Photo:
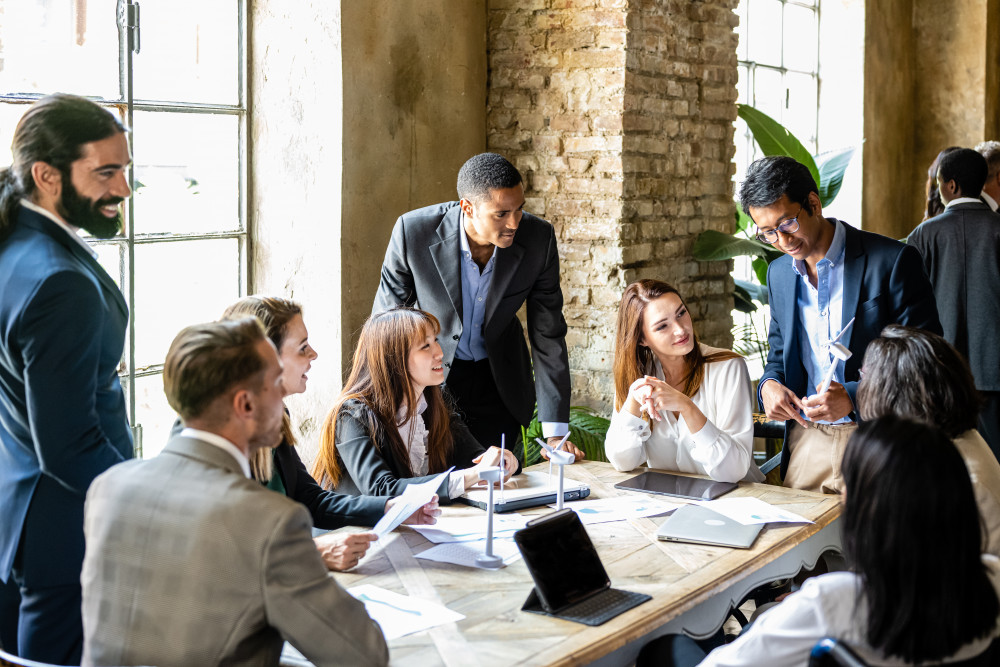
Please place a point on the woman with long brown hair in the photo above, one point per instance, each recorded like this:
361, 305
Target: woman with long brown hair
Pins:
679, 405
391, 425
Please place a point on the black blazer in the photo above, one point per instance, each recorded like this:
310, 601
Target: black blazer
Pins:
369, 470
961, 253
422, 268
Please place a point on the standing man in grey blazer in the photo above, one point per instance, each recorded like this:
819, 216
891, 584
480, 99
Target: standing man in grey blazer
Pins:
961, 253
472, 264
191, 562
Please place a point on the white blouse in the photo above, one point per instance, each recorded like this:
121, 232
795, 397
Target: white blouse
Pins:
826, 606
413, 432
721, 449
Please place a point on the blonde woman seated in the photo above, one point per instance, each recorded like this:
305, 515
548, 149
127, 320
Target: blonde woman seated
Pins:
679, 405
391, 425
916, 374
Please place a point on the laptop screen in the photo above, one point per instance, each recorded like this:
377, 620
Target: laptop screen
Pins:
561, 559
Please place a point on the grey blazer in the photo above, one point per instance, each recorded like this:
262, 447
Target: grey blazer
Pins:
422, 268
961, 253
190, 563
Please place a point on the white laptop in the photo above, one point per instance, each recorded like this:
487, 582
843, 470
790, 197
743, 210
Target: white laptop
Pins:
698, 525
529, 489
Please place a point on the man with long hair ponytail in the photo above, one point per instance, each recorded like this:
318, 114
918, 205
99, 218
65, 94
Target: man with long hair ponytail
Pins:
62, 330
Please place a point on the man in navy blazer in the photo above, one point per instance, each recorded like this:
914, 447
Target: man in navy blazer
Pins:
832, 274
62, 330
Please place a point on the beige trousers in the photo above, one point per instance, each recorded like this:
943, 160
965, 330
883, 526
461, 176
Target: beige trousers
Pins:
815, 454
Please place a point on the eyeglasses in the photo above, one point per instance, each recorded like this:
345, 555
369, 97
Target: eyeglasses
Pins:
789, 226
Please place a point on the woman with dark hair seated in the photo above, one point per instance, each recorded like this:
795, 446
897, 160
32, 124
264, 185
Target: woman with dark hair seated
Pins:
919, 590
916, 374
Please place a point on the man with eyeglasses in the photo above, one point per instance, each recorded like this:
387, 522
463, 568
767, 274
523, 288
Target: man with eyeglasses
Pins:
832, 274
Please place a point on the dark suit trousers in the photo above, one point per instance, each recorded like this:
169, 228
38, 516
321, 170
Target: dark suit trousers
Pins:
51, 628
472, 386
10, 603
989, 420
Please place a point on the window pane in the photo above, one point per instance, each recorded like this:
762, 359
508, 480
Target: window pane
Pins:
186, 173
800, 114
110, 256
189, 51
769, 92
65, 45
178, 284
800, 37
741, 31
765, 28
742, 85
154, 413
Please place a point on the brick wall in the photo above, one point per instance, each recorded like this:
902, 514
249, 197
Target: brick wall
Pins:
619, 114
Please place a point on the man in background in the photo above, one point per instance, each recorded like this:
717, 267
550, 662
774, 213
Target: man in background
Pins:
991, 188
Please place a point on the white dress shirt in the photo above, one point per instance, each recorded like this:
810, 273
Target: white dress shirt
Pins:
826, 606
221, 443
990, 201
965, 200
413, 432
721, 449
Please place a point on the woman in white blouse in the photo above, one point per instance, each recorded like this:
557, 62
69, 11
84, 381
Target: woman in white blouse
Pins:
919, 589
679, 405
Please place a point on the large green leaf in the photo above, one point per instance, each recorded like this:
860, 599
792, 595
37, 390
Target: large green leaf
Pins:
587, 431
713, 246
743, 221
753, 290
742, 299
774, 139
832, 166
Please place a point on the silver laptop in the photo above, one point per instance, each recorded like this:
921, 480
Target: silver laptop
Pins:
698, 525
529, 489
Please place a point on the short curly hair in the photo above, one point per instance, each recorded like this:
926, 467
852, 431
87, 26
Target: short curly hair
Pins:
485, 172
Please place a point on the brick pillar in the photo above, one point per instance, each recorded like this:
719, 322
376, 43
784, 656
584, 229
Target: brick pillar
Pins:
619, 114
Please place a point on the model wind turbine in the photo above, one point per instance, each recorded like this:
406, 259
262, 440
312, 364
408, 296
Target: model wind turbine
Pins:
488, 559
837, 351
561, 459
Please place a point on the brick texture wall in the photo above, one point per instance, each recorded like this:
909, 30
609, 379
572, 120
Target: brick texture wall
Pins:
619, 115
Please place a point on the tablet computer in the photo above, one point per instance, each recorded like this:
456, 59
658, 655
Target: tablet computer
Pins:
665, 484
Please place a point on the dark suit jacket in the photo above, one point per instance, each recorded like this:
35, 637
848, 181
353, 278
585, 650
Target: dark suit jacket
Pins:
884, 283
961, 253
422, 268
373, 470
62, 410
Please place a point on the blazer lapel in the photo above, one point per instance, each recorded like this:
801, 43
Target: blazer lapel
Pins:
854, 270
446, 256
507, 262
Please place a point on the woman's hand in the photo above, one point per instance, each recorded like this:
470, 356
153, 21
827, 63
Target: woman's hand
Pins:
652, 395
342, 551
490, 459
425, 516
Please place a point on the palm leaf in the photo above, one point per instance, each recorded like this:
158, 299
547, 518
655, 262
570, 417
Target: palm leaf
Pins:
774, 139
832, 166
714, 246
587, 431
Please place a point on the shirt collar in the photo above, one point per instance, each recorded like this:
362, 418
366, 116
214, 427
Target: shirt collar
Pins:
464, 240
74, 234
835, 255
963, 200
401, 412
990, 201
221, 443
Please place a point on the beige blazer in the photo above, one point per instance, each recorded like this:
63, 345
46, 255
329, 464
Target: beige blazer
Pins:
190, 563
985, 473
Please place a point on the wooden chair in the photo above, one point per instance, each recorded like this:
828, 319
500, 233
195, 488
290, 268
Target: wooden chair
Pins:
830, 652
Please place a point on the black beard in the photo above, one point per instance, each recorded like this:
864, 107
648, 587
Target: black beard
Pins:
86, 214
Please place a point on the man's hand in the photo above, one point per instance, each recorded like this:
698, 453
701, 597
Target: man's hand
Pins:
781, 403
830, 406
426, 515
342, 551
567, 446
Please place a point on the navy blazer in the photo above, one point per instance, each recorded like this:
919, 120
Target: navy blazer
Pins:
422, 268
62, 410
884, 283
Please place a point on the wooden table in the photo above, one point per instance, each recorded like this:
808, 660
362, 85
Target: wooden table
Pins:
693, 587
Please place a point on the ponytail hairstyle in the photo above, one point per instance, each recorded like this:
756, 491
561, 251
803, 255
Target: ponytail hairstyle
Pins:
53, 130
634, 360
380, 381
274, 313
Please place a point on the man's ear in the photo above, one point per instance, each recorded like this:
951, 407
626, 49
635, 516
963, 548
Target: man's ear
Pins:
466, 206
48, 179
815, 204
243, 404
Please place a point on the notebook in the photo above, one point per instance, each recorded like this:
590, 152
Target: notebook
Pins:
570, 580
698, 525
529, 489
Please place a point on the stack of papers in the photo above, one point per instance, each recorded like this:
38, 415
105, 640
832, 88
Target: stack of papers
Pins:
401, 615
471, 528
619, 508
750, 511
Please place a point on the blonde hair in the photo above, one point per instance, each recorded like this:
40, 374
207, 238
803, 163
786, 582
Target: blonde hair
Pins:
274, 313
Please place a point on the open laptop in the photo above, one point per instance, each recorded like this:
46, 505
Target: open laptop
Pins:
698, 525
570, 580
529, 489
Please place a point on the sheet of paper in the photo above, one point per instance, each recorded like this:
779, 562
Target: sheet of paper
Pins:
414, 496
749, 511
464, 553
619, 508
401, 615
471, 528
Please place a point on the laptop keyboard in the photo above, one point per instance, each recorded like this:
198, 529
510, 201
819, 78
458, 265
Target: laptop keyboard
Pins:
602, 607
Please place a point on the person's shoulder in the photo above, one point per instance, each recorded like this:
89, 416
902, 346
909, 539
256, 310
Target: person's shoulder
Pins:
427, 214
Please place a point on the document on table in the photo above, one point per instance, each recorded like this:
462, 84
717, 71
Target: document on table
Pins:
414, 497
401, 615
749, 511
619, 508
471, 528
464, 553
